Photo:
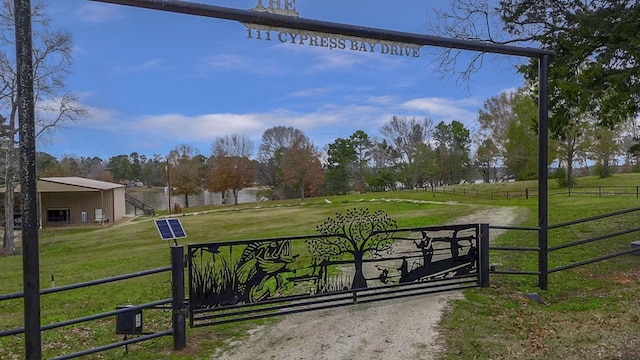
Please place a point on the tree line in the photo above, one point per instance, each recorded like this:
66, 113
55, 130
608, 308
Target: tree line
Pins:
406, 152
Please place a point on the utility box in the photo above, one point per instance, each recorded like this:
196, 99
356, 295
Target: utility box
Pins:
129, 322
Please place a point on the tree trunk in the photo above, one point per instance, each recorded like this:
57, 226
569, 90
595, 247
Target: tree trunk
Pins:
235, 196
302, 191
9, 203
186, 200
359, 281
9, 181
569, 170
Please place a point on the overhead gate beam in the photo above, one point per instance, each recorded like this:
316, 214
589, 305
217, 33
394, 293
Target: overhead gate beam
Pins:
296, 23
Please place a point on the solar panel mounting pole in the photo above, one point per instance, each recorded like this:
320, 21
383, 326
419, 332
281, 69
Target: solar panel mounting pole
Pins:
28, 193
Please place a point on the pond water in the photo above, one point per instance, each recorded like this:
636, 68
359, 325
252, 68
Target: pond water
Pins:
159, 198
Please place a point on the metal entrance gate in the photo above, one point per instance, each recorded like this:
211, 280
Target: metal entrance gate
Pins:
244, 280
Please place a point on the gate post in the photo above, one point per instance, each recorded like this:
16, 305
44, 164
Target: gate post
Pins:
483, 261
177, 298
543, 173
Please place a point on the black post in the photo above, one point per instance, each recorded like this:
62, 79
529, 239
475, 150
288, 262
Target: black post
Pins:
28, 193
168, 189
483, 262
177, 291
543, 150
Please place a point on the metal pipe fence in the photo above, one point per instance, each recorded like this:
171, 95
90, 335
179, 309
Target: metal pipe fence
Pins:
177, 304
544, 272
513, 248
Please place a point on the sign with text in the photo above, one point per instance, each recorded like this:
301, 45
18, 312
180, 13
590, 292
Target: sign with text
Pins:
316, 39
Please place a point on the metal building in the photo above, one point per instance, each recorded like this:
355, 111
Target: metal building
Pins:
76, 200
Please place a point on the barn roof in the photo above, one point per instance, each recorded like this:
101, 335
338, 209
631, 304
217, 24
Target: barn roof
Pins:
73, 183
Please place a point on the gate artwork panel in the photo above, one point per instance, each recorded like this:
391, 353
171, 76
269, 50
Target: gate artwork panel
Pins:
356, 257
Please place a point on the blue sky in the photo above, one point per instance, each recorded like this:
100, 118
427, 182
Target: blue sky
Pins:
153, 80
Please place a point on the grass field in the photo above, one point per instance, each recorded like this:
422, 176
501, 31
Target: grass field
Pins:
588, 312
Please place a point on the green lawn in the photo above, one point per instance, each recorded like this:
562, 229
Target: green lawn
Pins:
595, 304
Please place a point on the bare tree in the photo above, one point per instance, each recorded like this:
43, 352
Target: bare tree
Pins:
408, 137
275, 141
232, 145
405, 135
54, 104
474, 20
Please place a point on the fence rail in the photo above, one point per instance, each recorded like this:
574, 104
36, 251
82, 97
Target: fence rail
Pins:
598, 191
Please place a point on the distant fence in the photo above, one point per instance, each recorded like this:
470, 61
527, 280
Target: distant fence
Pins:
595, 191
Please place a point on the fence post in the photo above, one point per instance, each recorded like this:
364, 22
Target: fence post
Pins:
483, 261
526, 193
177, 296
543, 172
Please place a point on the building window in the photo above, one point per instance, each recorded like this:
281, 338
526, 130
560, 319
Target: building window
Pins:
58, 215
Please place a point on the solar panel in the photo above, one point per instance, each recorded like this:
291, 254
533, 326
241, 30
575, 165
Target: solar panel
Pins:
164, 229
176, 227
170, 229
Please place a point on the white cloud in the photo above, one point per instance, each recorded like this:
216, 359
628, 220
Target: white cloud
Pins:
180, 128
446, 109
313, 92
340, 119
335, 60
149, 65
323, 124
234, 62
98, 13
200, 130
383, 100
98, 117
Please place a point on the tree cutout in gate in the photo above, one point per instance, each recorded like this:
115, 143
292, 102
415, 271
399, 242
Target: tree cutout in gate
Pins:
353, 233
